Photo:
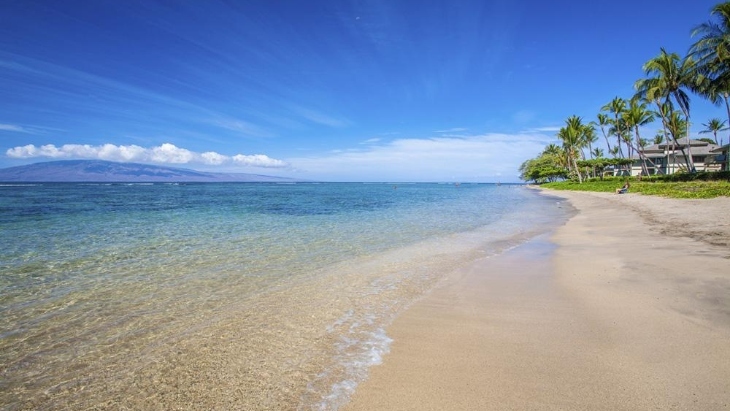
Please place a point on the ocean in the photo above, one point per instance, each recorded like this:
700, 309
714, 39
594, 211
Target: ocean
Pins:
243, 296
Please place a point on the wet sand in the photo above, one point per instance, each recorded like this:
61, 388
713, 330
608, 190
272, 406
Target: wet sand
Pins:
627, 306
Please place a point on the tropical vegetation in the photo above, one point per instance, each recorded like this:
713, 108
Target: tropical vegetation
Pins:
662, 95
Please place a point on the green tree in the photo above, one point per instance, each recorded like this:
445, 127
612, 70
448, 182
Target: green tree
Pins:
614, 152
635, 116
573, 138
603, 122
543, 168
589, 137
712, 54
616, 107
713, 126
669, 76
677, 127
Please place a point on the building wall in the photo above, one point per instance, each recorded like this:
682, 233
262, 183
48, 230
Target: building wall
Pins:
675, 165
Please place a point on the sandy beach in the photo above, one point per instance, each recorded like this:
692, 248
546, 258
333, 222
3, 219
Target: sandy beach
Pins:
626, 306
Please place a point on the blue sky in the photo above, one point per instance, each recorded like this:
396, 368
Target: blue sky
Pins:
346, 90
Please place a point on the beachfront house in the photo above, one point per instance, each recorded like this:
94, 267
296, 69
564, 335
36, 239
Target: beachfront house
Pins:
667, 157
722, 156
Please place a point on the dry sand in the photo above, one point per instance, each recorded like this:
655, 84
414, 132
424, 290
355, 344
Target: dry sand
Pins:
625, 307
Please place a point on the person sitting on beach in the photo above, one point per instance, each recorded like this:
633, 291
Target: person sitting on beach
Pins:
624, 189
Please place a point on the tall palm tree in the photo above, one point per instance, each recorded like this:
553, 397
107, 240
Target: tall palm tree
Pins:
617, 107
713, 126
604, 121
635, 116
597, 153
712, 53
677, 127
573, 139
648, 90
669, 76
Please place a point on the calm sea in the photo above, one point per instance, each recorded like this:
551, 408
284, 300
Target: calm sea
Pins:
227, 296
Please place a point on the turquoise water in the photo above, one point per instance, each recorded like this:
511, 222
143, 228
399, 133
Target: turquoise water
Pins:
228, 296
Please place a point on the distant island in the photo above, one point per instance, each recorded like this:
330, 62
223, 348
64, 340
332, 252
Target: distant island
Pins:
97, 171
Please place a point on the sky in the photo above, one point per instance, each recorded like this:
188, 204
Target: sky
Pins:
339, 90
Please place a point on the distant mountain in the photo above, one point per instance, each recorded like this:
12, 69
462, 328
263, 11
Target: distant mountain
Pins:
110, 172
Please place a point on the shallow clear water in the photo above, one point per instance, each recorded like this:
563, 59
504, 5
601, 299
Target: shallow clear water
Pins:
227, 296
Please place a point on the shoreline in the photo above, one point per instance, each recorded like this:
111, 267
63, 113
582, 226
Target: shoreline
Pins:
626, 306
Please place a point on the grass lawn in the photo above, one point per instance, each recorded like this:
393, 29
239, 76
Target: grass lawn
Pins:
688, 189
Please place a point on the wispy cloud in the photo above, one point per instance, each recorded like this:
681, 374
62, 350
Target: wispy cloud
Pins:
320, 118
371, 141
451, 130
469, 158
243, 127
548, 129
163, 154
13, 127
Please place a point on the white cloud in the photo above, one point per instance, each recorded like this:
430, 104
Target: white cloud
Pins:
258, 160
164, 154
487, 157
213, 158
169, 153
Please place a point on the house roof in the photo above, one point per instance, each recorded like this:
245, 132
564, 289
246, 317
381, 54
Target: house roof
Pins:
720, 149
683, 142
698, 148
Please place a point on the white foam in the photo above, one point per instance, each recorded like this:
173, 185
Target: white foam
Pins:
355, 357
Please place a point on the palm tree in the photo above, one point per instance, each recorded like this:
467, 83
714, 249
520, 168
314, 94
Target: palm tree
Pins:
635, 116
613, 151
553, 149
617, 107
659, 137
589, 137
677, 127
597, 153
713, 126
669, 75
558, 154
647, 90
604, 121
712, 53
573, 141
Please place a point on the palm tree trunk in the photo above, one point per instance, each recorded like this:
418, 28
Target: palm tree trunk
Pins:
688, 156
605, 137
666, 132
575, 164
727, 106
643, 157
676, 144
